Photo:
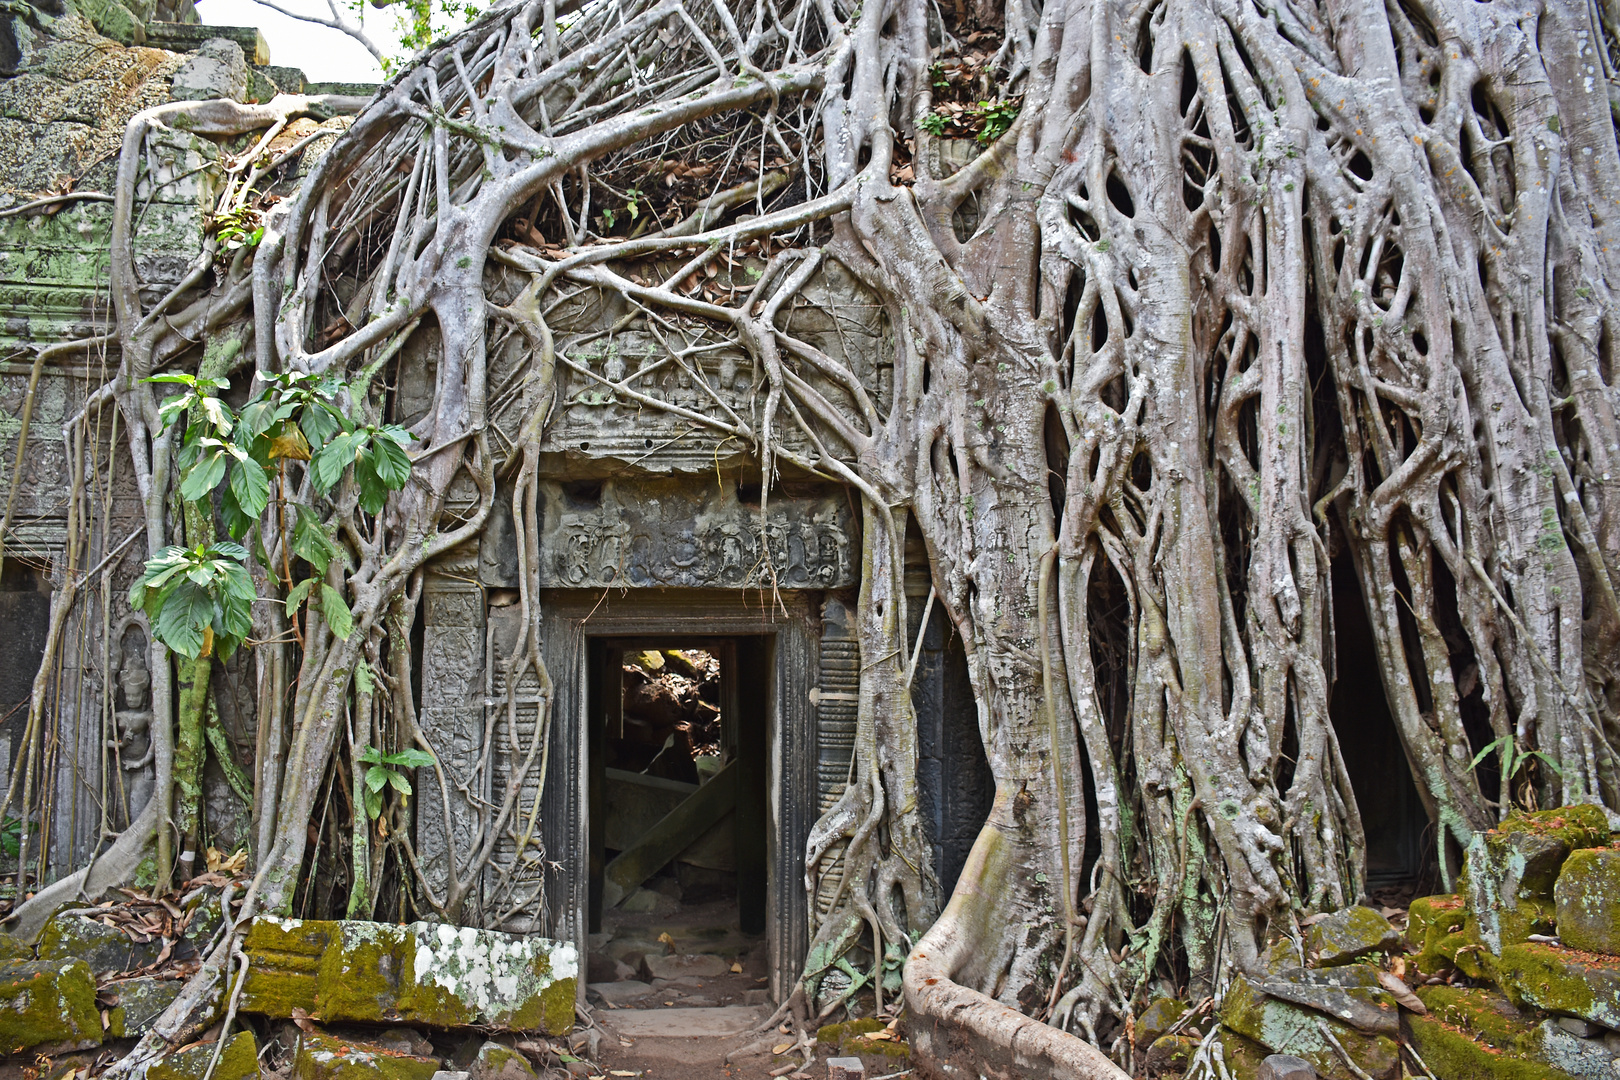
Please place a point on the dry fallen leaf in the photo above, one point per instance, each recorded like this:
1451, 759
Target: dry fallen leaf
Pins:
623, 1072
736, 969
665, 938
781, 1048
1399, 991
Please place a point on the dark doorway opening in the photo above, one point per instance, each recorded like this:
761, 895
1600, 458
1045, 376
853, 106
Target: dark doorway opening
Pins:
679, 759
1392, 814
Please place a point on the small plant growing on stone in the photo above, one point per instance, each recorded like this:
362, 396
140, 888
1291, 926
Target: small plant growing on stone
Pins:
385, 773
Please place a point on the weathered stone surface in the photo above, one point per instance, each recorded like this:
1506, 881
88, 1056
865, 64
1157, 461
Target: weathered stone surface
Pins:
1157, 1019
322, 1057
1430, 921
48, 1002
107, 949
1511, 870
238, 1061
497, 1062
1562, 981
1285, 1067
721, 1023
1351, 993
139, 1002
1169, 1054
185, 37
1477, 1033
216, 70
620, 992
1286, 1028
442, 976
698, 966
1350, 934
1587, 898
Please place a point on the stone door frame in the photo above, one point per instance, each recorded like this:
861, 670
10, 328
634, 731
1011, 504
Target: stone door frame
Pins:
569, 617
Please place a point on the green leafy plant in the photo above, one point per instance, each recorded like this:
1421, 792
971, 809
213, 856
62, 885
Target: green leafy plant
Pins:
237, 229
385, 773
199, 599
632, 204
934, 123
995, 117
11, 837
1514, 759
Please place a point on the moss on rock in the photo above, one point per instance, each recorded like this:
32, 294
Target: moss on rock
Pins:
853, 1038
497, 1062
106, 949
238, 1061
48, 1002
1562, 981
1157, 1019
1511, 870
1476, 1034
1170, 1054
322, 1057
139, 1002
1348, 935
1285, 1028
1587, 899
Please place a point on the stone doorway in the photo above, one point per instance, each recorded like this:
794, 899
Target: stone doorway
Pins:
768, 654
678, 779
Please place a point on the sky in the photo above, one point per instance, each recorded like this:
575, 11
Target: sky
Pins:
326, 55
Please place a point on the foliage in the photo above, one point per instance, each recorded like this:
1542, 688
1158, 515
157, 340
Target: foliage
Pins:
385, 773
1514, 760
934, 123
995, 118
199, 600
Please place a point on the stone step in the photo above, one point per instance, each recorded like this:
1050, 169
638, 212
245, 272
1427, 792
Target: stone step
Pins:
721, 1022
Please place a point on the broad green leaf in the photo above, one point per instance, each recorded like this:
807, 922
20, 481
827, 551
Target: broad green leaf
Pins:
371, 753
204, 477
392, 464
171, 377
251, 486
410, 759
374, 802
181, 619
312, 544
373, 492
336, 612
298, 594
328, 465
400, 784
218, 413
376, 778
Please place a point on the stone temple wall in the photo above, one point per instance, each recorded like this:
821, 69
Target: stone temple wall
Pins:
646, 507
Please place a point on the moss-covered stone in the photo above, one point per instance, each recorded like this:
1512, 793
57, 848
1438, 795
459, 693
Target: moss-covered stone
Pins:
497, 1062
1562, 981
322, 1057
1285, 1028
238, 1061
1476, 1034
1348, 935
444, 976
107, 949
1429, 920
1348, 992
1241, 1055
1157, 1019
1170, 1054
137, 1003
1511, 870
853, 1038
1587, 899
48, 1002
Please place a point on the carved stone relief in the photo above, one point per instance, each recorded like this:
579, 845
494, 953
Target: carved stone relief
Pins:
650, 534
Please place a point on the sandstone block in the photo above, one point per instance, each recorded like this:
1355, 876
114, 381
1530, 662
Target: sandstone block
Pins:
322, 1057
1157, 1019
238, 1061
1283, 1027
1562, 981
1170, 1054
423, 973
139, 1002
1587, 898
1285, 1067
1350, 934
1511, 870
698, 966
1477, 1033
216, 70
106, 949
497, 1062
48, 1002
620, 993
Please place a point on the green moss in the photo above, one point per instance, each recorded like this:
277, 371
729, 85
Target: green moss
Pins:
48, 1002
1157, 1019
284, 956
850, 1039
1511, 870
106, 949
321, 1057
238, 1061
1582, 826
1562, 981
1475, 1034
1170, 1054
139, 1003
1241, 1054
1349, 935
1285, 1028
1587, 900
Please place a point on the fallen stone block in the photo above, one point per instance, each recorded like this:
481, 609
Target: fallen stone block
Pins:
423, 973
1349, 935
1171, 1054
719, 1023
1562, 981
1511, 870
497, 1062
1157, 1019
1285, 1067
107, 949
1430, 922
1283, 1027
1352, 993
216, 70
618, 994
137, 1003
1477, 1034
322, 1057
1587, 899
697, 966
845, 1068
239, 1060
48, 1003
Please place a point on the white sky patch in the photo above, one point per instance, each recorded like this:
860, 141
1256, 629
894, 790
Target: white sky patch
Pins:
326, 55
